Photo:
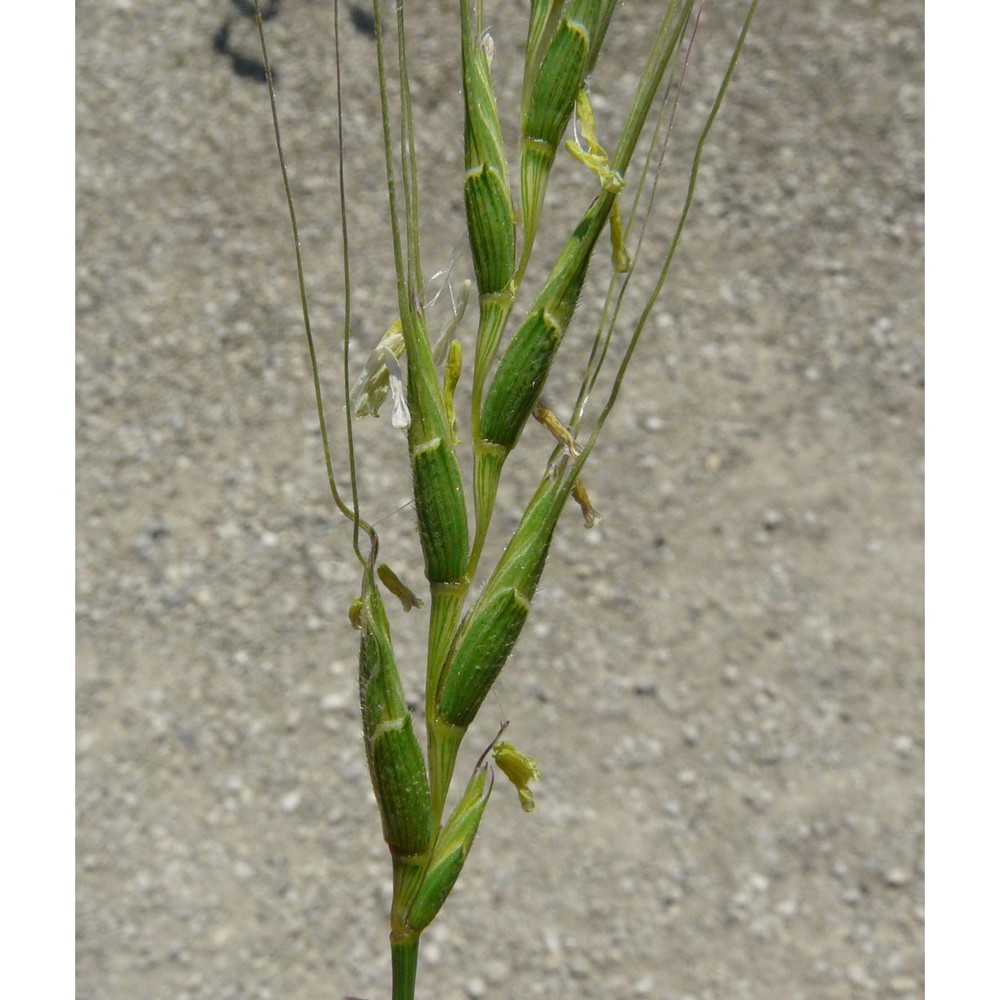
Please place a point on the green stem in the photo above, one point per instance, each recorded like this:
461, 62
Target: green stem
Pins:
404, 968
665, 43
443, 742
408, 162
447, 601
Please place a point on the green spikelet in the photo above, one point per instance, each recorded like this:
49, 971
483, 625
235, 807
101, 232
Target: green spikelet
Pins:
395, 760
438, 493
491, 627
440, 503
490, 212
559, 56
485, 643
526, 362
451, 849
488, 204
437, 480
541, 23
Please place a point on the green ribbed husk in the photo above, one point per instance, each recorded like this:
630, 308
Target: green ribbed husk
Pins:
525, 364
519, 379
483, 646
490, 217
493, 313
400, 782
437, 884
489, 208
551, 94
488, 465
536, 163
438, 493
451, 850
541, 23
395, 760
560, 73
483, 134
493, 624
439, 499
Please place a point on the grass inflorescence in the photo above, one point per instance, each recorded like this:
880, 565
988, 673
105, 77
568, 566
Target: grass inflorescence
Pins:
472, 634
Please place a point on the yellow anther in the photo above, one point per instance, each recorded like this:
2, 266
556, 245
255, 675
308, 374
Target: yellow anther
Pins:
520, 769
395, 586
621, 259
591, 515
452, 373
595, 158
547, 418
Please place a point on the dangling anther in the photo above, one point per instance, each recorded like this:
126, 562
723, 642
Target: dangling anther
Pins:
591, 515
547, 418
395, 586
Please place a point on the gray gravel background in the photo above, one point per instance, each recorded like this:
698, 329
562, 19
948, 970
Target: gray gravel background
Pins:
722, 684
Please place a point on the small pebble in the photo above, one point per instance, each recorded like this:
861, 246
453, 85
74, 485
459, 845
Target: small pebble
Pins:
896, 877
291, 801
335, 700
857, 976
496, 971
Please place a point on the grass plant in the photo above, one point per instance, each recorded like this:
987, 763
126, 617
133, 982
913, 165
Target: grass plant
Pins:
471, 633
